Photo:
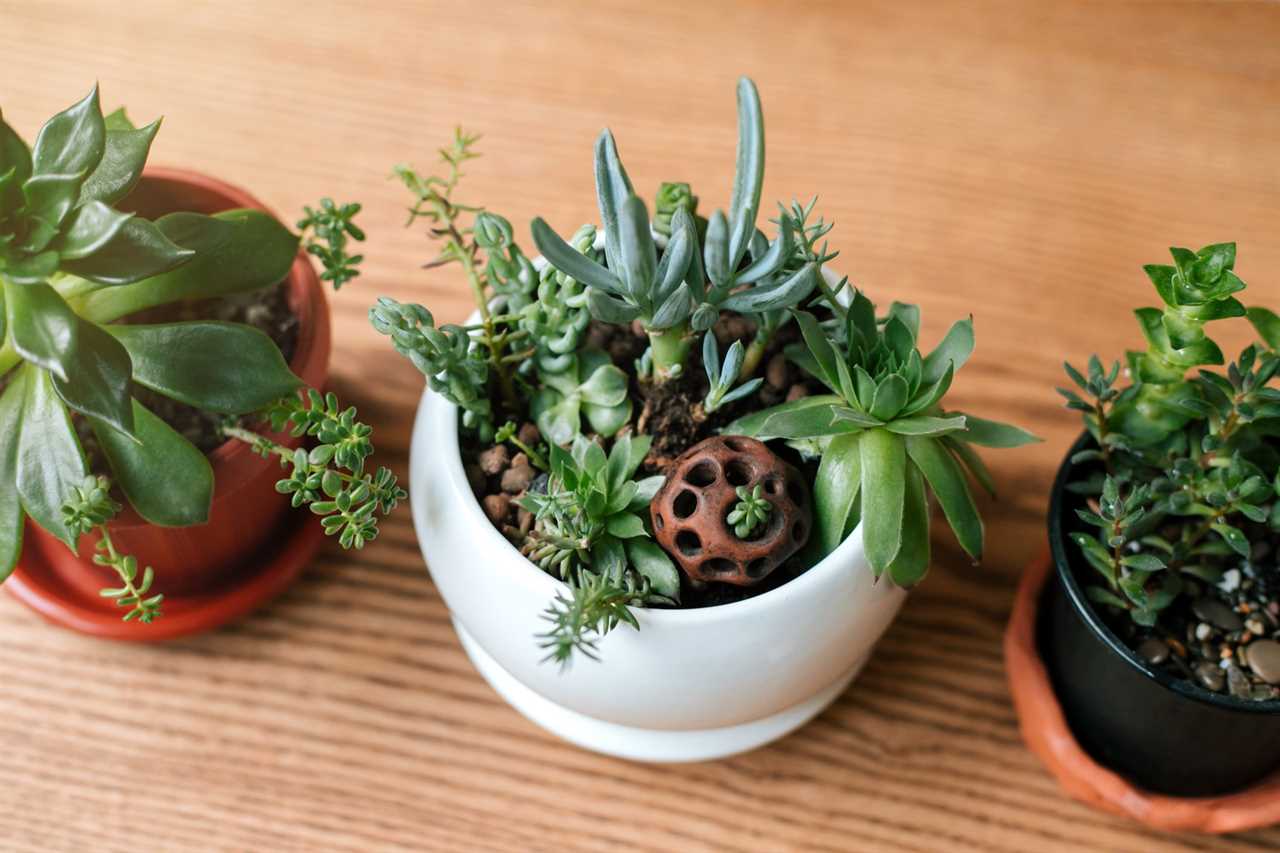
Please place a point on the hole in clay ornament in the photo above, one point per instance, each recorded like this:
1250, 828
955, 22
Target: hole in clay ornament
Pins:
737, 472
685, 504
689, 543
702, 475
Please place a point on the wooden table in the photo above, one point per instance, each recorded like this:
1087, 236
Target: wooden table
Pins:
1017, 161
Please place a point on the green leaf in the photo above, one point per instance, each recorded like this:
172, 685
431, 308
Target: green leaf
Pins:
256, 252
42, 326
1143, 562
558, 417
1099, 595
11, 514
91, 227
613, 188
824, 355
625, 525
986, 433
955, 349
971, 461
1267, 325
570, 261
124, 154
748, 172
635, 258
610, 309
948, 484
50, 462
137, 250
99, 370
606, 386
924, 425
1234, 537
32, 270
653, 563
835, 489
808, 417
787, 293
912, 562
72, 141
13, 153
883, 468
166, 479
226, 368
49, 198
891, 396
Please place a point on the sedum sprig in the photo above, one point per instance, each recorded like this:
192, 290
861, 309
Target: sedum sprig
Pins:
329, 478
593, 607
332, 224
90, 508
751, 511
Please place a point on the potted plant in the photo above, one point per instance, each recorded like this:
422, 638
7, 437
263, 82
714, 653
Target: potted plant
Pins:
676, 424
143, 383
1160, 626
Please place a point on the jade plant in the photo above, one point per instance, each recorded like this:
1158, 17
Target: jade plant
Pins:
76, 268
601, 359
1182, 472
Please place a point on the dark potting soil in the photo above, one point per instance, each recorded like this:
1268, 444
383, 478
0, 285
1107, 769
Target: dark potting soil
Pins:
266, 310
1224, 636
672, 414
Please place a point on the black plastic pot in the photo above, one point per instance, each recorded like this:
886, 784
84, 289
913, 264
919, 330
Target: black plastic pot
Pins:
1167, 734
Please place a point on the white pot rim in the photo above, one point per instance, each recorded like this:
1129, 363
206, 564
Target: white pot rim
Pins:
836, 561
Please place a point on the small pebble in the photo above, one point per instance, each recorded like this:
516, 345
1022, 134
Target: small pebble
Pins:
797, 392
1153, 650
495, 460
517, 478
1238, 683
1264, 660
475, 479
1255, 626
1230, 581
775, 374
524, 520
519, 460
1203, 631
529, 434
496, 507
1214, 611
1210, 676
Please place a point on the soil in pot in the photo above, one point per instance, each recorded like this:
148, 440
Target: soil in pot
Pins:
672, 414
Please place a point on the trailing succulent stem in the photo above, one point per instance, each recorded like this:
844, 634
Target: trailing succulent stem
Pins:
332, 224
1183, 468
88, 510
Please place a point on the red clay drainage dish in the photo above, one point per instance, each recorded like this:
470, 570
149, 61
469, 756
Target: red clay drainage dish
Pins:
1045, 730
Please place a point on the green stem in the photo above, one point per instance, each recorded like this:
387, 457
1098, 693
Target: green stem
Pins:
755, 352
506, 387
670, 349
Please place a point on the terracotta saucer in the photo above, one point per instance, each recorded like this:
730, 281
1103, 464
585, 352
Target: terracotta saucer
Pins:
278, 565
1045, 730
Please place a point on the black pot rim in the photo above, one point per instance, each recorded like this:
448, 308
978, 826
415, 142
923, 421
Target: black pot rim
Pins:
1084, 607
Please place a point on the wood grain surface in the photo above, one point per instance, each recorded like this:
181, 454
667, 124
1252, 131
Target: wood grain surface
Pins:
1018, 161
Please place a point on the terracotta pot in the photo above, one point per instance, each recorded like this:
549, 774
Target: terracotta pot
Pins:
1113, 730
246, 509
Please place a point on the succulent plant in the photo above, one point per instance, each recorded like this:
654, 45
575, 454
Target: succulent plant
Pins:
557, 317
722, 376
588, 530
885, 434
75, 263
593, 387
1184, 468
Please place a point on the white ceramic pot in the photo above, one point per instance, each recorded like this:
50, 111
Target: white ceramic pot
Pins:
690, 685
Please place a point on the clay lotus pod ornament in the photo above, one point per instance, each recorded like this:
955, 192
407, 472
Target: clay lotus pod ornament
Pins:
731, 476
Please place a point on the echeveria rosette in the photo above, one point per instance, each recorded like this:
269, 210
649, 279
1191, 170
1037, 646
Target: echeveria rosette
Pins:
71, 264
887, 440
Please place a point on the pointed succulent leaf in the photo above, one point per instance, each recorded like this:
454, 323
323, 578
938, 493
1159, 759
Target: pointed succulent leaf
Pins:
34, 269
809, 417
955, 349
1267, 325
674, 264
610, 309
925, 425
91, 226
42, 326
972, 462
625, 525
835, 491
654, 564
773, 258
908, 315
605, 386
635, 257
748, 173
72, 141
674, 311
99, 369
137, 250
819, 346
49, 199
14, 154
785, 294
931, 395
253, 251
890, 397
227, 368
124, 154
985, 433
948, 484
883, 468
166, 479
571, 262
50, 461
912, 562
715, 251
613, 188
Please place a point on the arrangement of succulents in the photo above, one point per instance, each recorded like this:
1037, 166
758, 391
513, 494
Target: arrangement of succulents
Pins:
600, 361
1181, 484
98, 376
